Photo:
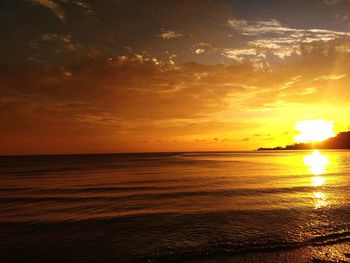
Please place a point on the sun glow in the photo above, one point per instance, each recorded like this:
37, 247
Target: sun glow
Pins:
314, 131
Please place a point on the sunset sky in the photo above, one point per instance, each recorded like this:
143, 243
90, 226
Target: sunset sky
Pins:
79, 76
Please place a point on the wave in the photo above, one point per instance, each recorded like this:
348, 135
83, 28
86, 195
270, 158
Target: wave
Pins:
228, 248
142, 192
132, 233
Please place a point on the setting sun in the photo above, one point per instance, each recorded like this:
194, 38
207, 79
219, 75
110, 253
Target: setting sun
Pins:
314, 131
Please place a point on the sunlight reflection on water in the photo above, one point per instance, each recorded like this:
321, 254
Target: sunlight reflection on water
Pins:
317, 164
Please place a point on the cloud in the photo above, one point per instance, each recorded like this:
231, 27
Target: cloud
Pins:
137, 97
83, 5
251, 28
57, 50
272, 38
151, 90
240, 54
125, 99
167, 34
135, 82
158, 86
65, 40
199, 50
54, 7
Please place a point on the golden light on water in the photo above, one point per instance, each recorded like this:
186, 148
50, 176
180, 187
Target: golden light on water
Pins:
320, 199
318, 181
317, 164
314, 131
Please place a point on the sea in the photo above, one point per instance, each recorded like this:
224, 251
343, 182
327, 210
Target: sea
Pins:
170, 207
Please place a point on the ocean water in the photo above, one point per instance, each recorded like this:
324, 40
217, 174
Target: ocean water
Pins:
170, 206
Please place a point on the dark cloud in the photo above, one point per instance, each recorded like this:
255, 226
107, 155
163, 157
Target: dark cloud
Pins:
125, 85
106, 27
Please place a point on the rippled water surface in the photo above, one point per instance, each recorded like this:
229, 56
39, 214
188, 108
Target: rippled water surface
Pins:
162, 206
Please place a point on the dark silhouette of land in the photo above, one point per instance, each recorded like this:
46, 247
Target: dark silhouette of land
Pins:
341, 141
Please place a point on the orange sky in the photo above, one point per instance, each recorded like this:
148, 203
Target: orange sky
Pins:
229, 76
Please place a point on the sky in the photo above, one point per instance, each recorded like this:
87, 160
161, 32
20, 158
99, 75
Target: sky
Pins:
84, 76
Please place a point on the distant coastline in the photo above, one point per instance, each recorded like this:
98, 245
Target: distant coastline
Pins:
340, 141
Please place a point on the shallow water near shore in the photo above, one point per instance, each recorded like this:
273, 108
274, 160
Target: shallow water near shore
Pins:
172, 206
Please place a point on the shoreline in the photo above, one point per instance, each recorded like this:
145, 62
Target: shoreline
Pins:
334, 253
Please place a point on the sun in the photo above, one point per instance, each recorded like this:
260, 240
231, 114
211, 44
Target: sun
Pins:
314, 131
